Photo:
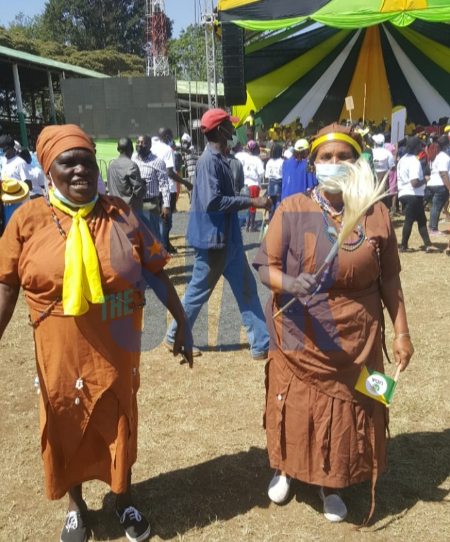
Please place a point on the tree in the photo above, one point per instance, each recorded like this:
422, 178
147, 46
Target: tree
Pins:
98, 24
187, 55
30, 27
107, 61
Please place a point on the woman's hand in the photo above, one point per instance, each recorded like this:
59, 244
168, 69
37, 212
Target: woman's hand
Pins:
403, 351
183, 343
303, 285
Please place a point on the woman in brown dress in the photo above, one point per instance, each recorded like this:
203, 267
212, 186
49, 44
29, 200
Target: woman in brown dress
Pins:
81, 259
320, 430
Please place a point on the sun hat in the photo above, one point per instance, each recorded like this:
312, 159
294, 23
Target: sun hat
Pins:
14, 191
214, 118
301, 145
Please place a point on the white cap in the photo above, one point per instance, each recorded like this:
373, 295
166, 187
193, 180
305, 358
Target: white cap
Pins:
378, 139
186, 138
301, 145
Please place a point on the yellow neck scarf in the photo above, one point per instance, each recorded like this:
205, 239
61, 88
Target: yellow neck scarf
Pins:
82, 282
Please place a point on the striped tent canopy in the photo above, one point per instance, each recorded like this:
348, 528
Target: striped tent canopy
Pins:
311, 55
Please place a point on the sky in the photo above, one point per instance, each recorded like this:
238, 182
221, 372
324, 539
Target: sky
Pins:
181, 11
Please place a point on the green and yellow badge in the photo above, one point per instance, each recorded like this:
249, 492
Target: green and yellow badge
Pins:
377, 385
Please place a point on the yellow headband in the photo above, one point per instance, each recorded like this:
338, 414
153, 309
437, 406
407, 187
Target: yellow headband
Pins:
336, 137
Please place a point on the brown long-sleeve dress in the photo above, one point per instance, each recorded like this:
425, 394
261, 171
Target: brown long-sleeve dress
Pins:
319, 429
88, 365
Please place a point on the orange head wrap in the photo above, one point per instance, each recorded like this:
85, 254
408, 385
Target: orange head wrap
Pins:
54, 140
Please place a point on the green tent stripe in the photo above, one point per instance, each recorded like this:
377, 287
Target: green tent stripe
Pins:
435, 75
279, 54
401, 92
279, 108
438, 53
344, 14
258, 45
331, 107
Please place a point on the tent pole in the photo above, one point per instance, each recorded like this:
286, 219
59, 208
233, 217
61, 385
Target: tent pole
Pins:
19, 103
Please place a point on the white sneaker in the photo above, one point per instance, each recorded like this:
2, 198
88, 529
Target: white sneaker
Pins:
334, 507
279, 488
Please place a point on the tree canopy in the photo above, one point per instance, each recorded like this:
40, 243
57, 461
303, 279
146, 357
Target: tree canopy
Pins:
187, 55
97, 24
107, 36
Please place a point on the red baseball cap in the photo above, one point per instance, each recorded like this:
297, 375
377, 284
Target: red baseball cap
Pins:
214, 117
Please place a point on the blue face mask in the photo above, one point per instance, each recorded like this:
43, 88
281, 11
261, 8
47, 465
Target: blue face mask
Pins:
2, 153
61, 198
326, 171
170, 142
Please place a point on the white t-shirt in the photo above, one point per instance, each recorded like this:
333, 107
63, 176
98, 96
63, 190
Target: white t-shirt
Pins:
241, 156
383, 159
409, 168
15, 168
253, 170
274, 168
37, 178
166, 154
440, 163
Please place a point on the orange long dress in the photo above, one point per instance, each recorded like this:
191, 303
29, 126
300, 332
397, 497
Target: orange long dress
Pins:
88, 365
319, 429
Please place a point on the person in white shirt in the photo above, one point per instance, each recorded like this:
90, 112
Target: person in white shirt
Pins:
274, 175
13, 167
35, 175
383, 161
411, 187
253, 175
439, 183
162, 148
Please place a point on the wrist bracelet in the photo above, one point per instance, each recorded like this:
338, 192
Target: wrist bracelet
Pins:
402, 335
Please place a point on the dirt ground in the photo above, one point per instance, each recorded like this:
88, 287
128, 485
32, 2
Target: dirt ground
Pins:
202, 470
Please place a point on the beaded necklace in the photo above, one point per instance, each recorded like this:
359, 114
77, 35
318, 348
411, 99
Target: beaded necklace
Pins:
331, 234
63, 234
58, 224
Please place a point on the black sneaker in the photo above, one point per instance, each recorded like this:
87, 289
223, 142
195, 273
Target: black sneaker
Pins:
74, 529
137, 528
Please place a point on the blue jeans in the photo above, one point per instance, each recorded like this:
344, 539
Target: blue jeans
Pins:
154, 224
440, 196
231, 262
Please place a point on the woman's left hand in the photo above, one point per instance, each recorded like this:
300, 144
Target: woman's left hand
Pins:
403, 351
184, 343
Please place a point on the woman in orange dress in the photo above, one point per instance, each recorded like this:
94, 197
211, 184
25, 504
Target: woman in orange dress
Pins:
320, 430
83, 260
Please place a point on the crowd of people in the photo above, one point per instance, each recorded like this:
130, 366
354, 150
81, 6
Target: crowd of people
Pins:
84, 260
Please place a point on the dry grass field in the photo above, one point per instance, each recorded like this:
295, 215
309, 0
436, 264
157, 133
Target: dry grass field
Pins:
202, 471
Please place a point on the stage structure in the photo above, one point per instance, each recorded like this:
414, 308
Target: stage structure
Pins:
156, 46
121, 106
209, 20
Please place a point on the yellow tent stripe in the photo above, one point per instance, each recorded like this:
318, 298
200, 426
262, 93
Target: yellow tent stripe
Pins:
370, 71
438, 53
390, 6
223, 5
263, 90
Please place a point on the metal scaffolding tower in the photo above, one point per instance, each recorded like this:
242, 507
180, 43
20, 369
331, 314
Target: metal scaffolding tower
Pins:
208, 20
156, 47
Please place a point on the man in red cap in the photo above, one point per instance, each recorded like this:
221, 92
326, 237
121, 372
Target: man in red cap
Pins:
214, 232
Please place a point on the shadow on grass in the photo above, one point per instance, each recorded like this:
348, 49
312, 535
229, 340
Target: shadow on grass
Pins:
232, 485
